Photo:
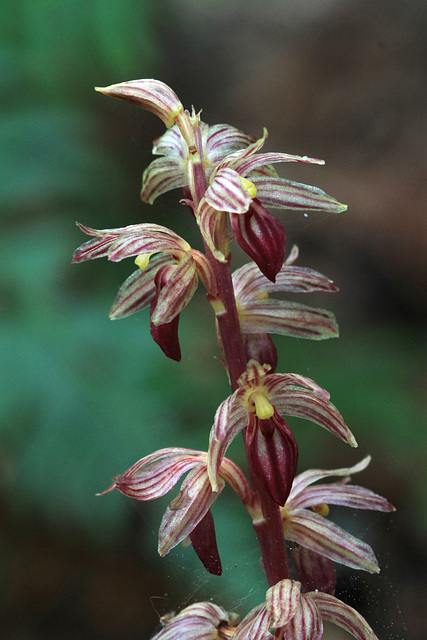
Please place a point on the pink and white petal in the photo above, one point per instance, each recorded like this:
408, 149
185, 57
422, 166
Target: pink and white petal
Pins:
231, 418
223, 139
325, 537
311, 406
341, 614
205, 272
171, 143
253, 162
177, 292
199, 621
156, 474
152, 95
250, 283
143, 227
278, 382
281, 317
313, 475
146, 241
210, 221
306, 624
340, 494
92, 249
233, 160
162, 175
139, 289
254, 626
282, 602
286, 194
226, 193
187, 509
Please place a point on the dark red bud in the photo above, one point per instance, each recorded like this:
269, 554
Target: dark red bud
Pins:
260, 347
262, 237
314, 570
165, 335
203, 539
274, 455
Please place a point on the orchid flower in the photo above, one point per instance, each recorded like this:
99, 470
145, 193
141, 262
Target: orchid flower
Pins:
300, 616
257, 405
167, 281
189, 512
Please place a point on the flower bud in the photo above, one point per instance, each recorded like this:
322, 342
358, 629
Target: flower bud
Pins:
274, 454
203, 539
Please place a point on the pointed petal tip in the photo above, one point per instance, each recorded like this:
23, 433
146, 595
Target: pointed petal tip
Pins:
108, 490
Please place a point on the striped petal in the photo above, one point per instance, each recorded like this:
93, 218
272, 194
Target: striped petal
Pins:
342, 495
322, 536
249, 283
199, 621
282, 602
288, 319
211, 222
162, 175
246, 165
286, 194
222, 139
156, 474
335, 611
310, 476
226, 192
310, 403
177, 292
139, 289
306, 624
230, 419
189, 507
254, 626
152, 95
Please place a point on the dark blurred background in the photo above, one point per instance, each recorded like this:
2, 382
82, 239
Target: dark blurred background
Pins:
83, 398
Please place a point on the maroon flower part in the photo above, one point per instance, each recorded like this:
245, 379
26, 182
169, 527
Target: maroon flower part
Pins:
305, 522
258, 403
168, 275
300, 616
261, 314
314, 570
199, 621
189, 512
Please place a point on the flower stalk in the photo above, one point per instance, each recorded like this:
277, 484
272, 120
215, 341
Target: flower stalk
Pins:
227, 184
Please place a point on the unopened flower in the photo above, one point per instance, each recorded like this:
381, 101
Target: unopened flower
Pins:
168, 275
300, 616
187, 514
304, 514
258, 404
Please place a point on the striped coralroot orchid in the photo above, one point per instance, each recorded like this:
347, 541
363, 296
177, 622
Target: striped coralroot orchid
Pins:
229, 184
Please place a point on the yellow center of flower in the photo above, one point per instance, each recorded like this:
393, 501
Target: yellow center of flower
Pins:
248, 186
259, 404
321, 509
141, 261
